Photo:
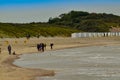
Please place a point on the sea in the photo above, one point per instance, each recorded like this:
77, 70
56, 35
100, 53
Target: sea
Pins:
83, 63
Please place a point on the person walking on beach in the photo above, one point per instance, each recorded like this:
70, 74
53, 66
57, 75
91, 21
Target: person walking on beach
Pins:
9, 49
38, 47
51, 45
42, 47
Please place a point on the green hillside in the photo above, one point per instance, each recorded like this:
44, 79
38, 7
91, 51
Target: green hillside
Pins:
63, 25
34, 29
90, 22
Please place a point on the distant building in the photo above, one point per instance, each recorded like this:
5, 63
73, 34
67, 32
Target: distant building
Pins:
94, 34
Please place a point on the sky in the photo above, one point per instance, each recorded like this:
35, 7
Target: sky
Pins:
25, 11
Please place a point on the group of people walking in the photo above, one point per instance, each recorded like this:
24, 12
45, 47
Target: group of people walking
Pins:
42, 46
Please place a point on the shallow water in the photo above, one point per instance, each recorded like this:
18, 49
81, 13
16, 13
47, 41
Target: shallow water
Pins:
84, 63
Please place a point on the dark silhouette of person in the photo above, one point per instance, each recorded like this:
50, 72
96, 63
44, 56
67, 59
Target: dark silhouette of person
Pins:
38, 47
42, 47
9, 49
51, 45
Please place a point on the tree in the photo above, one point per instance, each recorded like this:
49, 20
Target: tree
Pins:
94, 26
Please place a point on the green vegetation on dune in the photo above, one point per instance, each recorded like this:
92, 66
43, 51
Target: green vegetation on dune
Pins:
34, 29
63, 25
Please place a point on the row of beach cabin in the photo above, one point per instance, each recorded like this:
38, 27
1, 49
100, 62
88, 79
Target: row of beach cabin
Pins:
94, 34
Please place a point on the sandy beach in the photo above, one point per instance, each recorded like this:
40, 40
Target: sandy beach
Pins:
8, 71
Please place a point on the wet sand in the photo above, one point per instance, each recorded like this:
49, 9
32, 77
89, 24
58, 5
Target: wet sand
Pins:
8, 71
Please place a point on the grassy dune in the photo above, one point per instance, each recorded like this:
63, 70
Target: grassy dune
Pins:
34, 29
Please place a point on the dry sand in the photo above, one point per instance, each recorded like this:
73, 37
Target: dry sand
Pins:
8, 71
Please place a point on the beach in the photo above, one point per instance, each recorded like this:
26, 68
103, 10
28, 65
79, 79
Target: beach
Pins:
8, 71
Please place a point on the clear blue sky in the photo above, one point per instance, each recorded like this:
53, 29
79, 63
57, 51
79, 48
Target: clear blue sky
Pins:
22, 11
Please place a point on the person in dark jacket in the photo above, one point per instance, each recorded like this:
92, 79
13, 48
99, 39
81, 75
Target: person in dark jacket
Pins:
9, 49
51, 45
42, 47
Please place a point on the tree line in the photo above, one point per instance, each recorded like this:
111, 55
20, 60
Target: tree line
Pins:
87, 22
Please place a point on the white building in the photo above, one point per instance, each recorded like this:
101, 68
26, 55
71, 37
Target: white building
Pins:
94, 34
